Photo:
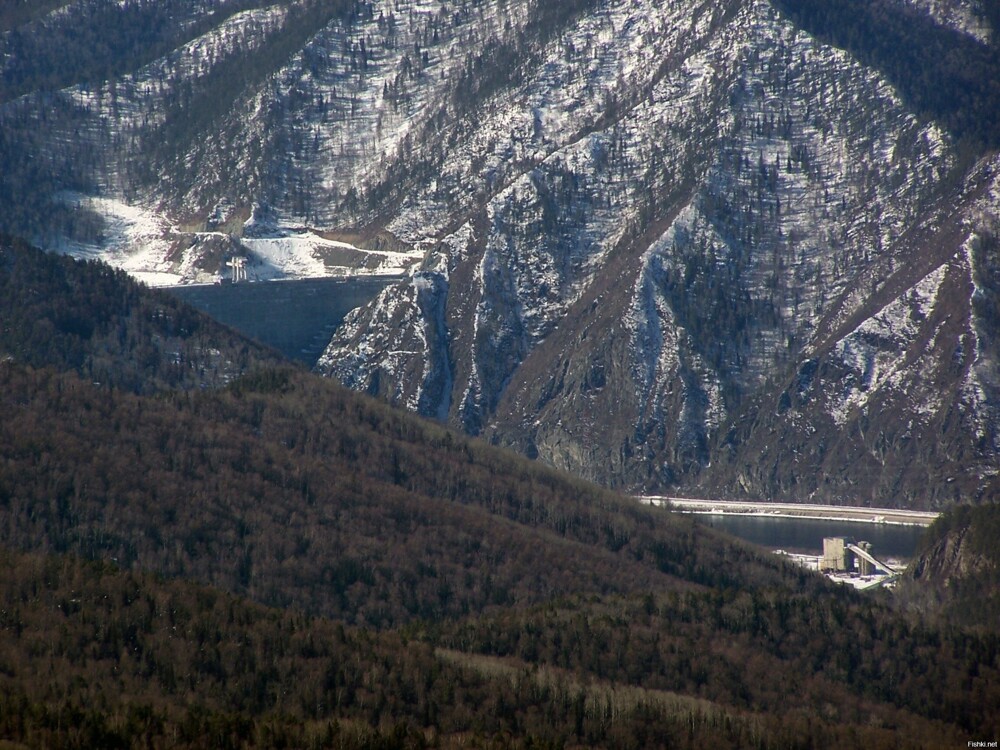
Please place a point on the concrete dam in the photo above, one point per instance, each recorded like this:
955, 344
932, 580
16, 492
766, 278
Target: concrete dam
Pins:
296, 317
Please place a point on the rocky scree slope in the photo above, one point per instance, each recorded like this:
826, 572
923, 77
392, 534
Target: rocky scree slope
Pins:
723, 248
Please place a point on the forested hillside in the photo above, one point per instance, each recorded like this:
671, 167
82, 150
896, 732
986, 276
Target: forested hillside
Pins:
537, 607
93, 656
956, 574
97, 322
378, 580
298, 493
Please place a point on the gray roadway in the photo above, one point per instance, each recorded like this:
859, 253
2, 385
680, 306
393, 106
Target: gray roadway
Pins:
797, 510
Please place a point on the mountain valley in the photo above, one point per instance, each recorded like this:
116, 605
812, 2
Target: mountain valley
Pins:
568, 252
738, 249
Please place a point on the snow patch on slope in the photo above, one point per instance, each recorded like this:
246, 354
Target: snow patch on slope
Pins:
875, 353
304, 254
135, 240
144, 244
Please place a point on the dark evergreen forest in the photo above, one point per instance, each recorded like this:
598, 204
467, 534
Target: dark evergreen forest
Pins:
947, 76
278, 562
90, 319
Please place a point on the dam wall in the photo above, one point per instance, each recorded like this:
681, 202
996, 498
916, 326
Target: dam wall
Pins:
296, 317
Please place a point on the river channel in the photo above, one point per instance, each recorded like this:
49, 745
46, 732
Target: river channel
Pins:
805, 535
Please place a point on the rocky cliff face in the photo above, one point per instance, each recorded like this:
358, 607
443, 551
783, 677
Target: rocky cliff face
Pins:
950, 560
673, 247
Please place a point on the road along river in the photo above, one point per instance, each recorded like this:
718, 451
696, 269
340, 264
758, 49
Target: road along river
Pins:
796, 510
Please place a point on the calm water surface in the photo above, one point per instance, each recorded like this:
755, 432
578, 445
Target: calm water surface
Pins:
805, 535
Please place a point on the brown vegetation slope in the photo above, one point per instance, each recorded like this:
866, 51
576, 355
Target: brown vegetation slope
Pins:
475, 596
91, 656
956, 574
98, 322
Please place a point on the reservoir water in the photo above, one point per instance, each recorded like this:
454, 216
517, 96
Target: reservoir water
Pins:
805, 535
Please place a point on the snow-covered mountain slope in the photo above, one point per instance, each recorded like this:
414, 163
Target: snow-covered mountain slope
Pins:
670, 246
897, 397
617, 308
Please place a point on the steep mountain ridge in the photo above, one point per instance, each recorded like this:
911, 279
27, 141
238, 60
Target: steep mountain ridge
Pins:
630, 225
897, 396
821, 177
955, 575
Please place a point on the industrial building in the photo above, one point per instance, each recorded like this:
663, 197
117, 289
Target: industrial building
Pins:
841, 554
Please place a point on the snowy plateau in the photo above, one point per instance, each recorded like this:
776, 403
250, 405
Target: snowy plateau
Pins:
673, 246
